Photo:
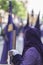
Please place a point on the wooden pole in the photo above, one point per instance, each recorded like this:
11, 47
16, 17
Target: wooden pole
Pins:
13, 46
14, 40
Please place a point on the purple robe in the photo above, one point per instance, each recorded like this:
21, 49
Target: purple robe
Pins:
8, 42
32, 52
31, 57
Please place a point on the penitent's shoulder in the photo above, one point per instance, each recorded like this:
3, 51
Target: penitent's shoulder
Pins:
33, 52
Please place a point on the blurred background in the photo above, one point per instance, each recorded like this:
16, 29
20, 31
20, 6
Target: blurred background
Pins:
20, 8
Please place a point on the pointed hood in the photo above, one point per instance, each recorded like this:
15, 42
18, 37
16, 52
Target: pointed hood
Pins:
27, 19
37, 22
10, 13
10, 6
32, 13
38, 25
27, 25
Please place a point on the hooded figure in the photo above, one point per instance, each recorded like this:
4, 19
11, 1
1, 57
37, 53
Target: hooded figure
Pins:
32, 52
8, 31
32, 37
39, 30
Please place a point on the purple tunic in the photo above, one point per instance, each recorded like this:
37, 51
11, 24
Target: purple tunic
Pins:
31, 57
